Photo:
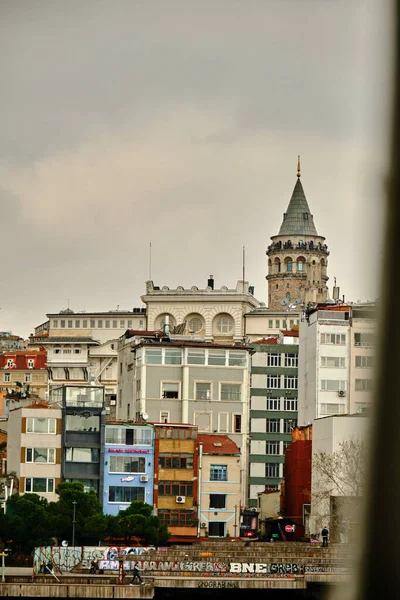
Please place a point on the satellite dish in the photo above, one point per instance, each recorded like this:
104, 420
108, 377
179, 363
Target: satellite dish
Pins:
145, 416
64, 543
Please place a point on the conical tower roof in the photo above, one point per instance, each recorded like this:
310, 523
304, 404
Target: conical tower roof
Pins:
298, 220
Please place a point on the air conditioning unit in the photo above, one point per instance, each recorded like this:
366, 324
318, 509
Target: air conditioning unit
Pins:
144, 478
180, 499
341, 393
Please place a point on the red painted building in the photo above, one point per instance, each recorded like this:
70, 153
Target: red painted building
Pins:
24, 370
298, 483
23, 360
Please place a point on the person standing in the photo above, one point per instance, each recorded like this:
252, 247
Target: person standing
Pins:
325, 534
136, 574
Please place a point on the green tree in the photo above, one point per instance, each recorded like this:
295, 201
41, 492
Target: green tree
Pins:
27, 522
138, 522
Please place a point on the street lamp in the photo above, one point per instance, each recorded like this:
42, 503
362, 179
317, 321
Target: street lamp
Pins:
74, 503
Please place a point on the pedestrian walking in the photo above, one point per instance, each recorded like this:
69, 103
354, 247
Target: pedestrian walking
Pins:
136, 574
325, 534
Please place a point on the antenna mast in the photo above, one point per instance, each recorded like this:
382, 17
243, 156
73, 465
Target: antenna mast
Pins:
244, 263
150, 262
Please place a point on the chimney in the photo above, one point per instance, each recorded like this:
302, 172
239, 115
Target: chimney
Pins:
166, 325
210, 282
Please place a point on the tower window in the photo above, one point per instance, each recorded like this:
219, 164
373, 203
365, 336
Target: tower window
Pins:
289, 265
305, 215
277, 286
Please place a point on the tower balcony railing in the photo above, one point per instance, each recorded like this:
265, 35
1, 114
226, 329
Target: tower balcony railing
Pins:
301, 246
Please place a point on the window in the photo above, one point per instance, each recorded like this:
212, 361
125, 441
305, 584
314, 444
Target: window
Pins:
273, 381
154, 356
331, 409
164, 416
338, 339
77, 350
100, 324
223, 422
289, 266
225, 324
217, 501
289, 425
107, 324
39, 485
70, 324
273, 359
333, 385
203, 391
175, 461
273, 425
230, 391
365, 361
237, 423
237, 359
273, 403
84, 323
176, 517
129, 436
364, 340
77, 324
285, 445
216, 528
169, 390
273, 447
291, 360
115, 324
362, 407
122, 323
270, 324
31, 363
62, 322
291, 324
40, 425
27, 378
290, 382
271, 469
40, 455
80, 423
173, 356
216, 357
196, 357
7, 377
289, 404
129, 323
218, 472
92, 323
126, 494
10, 362
300, 266
363, 385
127, 464
83, 455
195, 325
277, 324
175, 488
333, 362
55, 323
67, 351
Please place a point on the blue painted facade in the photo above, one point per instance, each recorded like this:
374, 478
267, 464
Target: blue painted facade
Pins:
128, 466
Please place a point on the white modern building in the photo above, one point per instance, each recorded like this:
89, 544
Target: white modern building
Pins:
335, 360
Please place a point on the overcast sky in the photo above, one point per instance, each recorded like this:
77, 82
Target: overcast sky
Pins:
179, 123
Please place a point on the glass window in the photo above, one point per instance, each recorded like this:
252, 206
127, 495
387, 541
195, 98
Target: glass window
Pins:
291, 360
195, 325
127, 464
77, 323
62, 323
203, 391
86, 455
173, 356
84, 323
217, 357
154, 356
273, 403
84, 396
27, 378
237, 359
175, 488
230, 391
217, 501
300, 266
40, 425
126, 494
40, 455
7, 377
271, 469
270, 324
39, 485
333, 338
115, 324
290, 382
225, 324
129, 323
219, 473
289, 266
364, 361
333, 362
55, 323
169, 390
176, 461
196, 357
363, 385
92, 323
100, 324
122, 323
82, 423
277, 324
237, 423
289, 425
273, 425
273, 381
364, 340
333, 385
70, 324
273, 447
107, 324
273, 359
290, 404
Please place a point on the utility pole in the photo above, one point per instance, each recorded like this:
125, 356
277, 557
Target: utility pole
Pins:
73, 523
235, 525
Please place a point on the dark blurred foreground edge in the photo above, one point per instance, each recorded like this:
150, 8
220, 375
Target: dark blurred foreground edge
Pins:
379, 571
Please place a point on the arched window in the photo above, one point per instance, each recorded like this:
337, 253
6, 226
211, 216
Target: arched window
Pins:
289, 264
277, 264
195, 323
300, 264
224, 324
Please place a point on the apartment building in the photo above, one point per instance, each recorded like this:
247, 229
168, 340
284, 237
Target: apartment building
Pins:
179, 381
24, 370
264, 322
220, 486
82, 434
336, 360
176, 479
273, 409
128, 466
34, 443
8, 341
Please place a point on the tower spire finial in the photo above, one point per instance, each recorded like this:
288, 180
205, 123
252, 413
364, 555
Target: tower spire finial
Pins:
298, 166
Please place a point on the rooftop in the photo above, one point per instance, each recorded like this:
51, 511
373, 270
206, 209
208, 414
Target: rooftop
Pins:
63, 340
218, 444
298, 220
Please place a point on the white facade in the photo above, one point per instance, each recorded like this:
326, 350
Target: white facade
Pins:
264, 322
332, 343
